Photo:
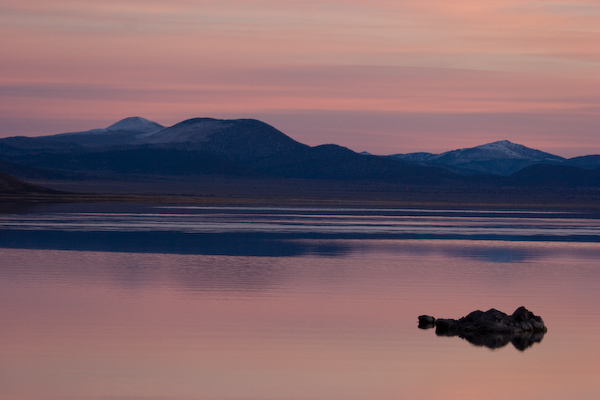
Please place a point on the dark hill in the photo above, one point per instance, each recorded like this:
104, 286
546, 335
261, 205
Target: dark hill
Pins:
588, 162
322, 162
549, 175
12, 185
339, 163
239, 140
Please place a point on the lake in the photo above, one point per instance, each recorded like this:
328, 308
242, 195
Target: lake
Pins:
125, 301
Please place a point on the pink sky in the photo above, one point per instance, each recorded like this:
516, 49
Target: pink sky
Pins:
380, 75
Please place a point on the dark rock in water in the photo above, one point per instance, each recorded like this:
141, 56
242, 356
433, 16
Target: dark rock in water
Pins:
426, 322
491, 328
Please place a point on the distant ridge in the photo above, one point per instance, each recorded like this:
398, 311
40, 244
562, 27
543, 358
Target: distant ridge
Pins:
588, 162
125, 131
137, 149
499, 158
552, 175
204, 147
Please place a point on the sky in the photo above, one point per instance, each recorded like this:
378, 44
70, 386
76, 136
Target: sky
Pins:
383, 76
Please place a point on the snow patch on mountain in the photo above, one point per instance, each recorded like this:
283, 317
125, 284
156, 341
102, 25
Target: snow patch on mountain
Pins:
504, 148
135, 124
192, 130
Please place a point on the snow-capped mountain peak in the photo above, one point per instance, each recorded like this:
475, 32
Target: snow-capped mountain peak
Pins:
135, 124
503, 147
502, 157
507, 149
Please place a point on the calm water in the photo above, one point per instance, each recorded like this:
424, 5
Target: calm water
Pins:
168, 302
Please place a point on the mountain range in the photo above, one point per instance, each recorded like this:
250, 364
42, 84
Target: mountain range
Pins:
136, 148
497, 158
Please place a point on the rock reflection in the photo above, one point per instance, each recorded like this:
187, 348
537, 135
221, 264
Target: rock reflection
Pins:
493, 329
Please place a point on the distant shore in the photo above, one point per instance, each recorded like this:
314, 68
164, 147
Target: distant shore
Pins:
324, 194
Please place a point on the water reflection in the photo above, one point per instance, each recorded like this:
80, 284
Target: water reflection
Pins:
161, 242
194, 261
103, 305
498, 340
265, 244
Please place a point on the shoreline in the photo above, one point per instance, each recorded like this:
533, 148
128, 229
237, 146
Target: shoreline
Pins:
229, 191
297, 201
